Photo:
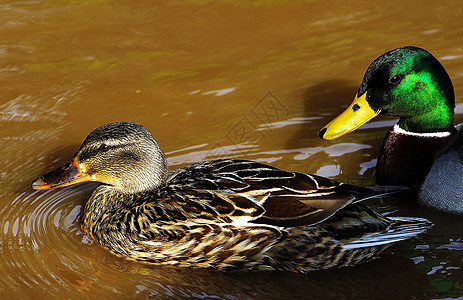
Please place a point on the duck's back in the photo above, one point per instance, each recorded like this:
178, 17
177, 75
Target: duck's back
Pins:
241, 190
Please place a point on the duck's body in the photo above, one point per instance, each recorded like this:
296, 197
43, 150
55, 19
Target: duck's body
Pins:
443, 186
222, 214
409, 83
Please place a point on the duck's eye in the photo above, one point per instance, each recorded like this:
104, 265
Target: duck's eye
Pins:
395, 79
104, 147
66, 166
355, 107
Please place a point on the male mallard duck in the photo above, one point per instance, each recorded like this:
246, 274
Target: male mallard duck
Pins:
411, 84
222, 213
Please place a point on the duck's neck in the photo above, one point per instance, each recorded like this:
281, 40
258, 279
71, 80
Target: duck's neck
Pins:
115, 219
105, 205
397, 129
428, 122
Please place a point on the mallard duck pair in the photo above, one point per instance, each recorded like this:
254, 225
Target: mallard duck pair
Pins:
423, 150
221, 214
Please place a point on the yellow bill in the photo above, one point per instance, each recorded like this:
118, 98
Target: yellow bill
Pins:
357, 114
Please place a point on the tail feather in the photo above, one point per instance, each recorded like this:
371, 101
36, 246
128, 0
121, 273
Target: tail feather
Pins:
402, 228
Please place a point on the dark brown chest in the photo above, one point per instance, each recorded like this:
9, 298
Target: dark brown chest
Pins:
406, 159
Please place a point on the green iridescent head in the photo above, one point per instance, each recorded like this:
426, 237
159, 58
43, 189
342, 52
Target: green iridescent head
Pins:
410, 83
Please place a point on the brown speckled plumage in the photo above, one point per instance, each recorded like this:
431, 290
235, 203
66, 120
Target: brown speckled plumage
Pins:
229, 214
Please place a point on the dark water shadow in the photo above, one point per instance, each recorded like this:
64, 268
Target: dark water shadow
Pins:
326, 100
358, 282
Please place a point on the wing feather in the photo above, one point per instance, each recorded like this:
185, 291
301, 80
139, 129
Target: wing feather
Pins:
263, 194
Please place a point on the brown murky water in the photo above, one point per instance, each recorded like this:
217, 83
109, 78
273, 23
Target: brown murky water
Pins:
253, 80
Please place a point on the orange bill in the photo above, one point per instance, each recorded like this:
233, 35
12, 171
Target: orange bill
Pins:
357, 114
68, 174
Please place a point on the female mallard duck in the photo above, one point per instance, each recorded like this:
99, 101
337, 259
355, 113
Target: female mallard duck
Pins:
411, 84
222, 213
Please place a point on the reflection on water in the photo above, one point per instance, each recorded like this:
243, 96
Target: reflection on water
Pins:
252, 80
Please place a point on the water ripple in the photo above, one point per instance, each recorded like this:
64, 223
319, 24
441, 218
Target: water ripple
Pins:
39, 231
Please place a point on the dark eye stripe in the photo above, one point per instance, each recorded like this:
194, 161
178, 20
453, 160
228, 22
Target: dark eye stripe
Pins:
88, 152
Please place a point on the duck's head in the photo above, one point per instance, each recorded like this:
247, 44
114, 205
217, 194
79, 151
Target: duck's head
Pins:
122, 155
407, 82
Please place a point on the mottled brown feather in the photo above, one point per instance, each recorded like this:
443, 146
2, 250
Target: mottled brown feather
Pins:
247, 220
